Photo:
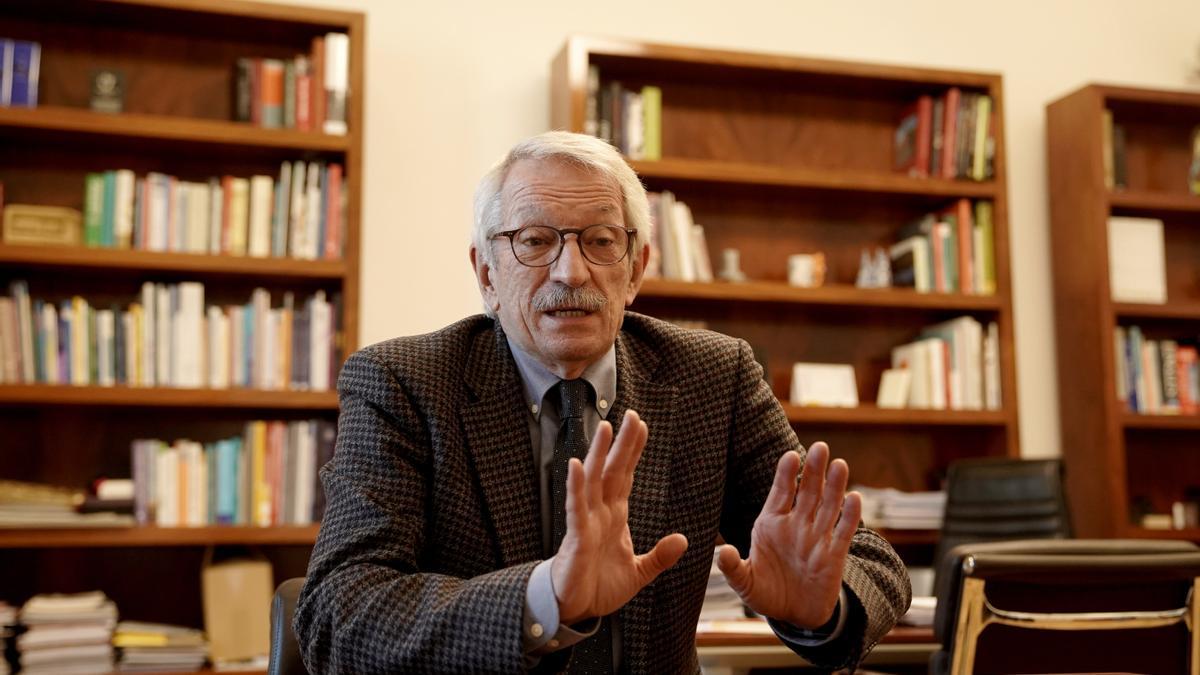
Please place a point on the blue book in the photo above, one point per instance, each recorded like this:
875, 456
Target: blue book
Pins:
39, 343
210, 462
64, 342
119, 338
26, 61
227, 483
323, 206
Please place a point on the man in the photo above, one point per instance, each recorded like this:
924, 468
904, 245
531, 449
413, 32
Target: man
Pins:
463, 532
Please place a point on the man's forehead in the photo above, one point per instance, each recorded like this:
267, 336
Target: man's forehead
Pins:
534, 185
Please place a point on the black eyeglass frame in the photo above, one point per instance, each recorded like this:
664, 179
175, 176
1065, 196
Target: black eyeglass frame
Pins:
631, 232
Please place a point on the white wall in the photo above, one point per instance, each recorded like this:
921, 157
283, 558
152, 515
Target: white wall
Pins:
452, 85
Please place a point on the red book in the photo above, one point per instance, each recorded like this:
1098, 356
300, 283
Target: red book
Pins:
226, 217
966, 247
913, 138
256, 91
317, 89
333, 213
303, 96
1185, 357
949, 137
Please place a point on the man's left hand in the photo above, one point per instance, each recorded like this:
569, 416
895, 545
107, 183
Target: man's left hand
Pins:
799, 544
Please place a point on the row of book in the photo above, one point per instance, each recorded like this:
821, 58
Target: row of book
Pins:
265, 477
954, 365
630, 119
308, 92
168, 337
1156, 377
679, 249
300, 214
948, 251
20, 65
952, 135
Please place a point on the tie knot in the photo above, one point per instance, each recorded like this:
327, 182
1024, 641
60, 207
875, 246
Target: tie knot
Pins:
572, 398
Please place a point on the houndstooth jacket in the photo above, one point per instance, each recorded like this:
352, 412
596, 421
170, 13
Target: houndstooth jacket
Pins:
432, 525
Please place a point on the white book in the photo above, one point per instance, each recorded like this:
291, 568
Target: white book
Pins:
189, 334
964, 339
149, 329
337, 82
197, 486
320, 343
681, 220
24, 328
218, 348
105, 343
917, 248
162, 336
912, 357
635, 125
271, 355
166, 488
297, 219
239, 216
938, 351
261, 348
158, 190
123, 208
199, 217
81, 361
313, 207
237, 346
129, 328
1137, 260
306, 459
177, 238
991, 367
50, 342
704, 270
665, 234
262, 200
216, 205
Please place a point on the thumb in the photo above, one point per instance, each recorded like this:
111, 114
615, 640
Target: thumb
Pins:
665, 553
736, 571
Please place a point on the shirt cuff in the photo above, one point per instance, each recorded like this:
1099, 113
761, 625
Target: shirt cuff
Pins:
542, 633
803, 637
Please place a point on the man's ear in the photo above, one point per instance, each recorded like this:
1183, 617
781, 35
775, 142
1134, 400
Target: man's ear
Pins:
483, 276
637, 274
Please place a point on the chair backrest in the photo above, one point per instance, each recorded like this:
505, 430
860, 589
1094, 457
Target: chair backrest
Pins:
997, 499
285, 651
1069, 606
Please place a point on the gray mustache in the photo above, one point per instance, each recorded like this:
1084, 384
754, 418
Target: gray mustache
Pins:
559, 296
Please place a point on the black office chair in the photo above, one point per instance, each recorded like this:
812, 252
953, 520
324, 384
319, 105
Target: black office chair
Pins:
1076, 605
998, 499
285, 651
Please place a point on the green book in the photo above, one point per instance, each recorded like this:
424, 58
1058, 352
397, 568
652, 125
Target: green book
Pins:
108, 237
652, 118
985, 250
93, 209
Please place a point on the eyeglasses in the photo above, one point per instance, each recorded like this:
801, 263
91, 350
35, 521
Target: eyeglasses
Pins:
539, 246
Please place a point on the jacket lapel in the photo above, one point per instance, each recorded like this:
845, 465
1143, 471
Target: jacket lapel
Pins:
497, 438
639, 389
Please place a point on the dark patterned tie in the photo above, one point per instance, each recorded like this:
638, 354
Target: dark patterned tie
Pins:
593, 655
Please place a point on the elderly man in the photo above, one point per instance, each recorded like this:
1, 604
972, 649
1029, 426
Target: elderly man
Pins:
542, 487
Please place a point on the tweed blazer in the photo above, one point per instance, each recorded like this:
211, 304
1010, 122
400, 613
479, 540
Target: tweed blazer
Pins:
432, 527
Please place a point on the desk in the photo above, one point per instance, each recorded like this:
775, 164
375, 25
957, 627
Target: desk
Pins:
735, 653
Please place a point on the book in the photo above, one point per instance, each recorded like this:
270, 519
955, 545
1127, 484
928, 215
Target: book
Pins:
652, 116
25, 67
337, 82
1137, 260
913, 138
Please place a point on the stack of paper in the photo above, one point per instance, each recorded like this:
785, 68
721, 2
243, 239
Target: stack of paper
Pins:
36, 505
720, 601
893, 509
67, 634
145, 647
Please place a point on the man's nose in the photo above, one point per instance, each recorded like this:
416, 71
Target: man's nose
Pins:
571, 268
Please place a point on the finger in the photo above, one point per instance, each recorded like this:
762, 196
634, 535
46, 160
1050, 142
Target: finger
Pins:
783, 489
623, 449
665, 553
831, 500
594, 464
576, 502
848, 523
812, 479
736, 570
627, 486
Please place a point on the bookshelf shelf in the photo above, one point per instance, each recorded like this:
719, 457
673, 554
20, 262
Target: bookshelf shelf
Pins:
1187, 311
811, 179
61, 121
1162, 202
776, 292
1162, 422
1188, 534
1109, 472
190, 264
107, 537
164, 397
871, 415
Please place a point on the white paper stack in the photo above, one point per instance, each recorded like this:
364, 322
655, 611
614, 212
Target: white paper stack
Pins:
67, 634
155, 647
893, 509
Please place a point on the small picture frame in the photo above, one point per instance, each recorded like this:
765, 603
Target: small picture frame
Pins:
107, 90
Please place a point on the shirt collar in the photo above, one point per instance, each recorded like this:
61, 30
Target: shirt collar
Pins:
536, 380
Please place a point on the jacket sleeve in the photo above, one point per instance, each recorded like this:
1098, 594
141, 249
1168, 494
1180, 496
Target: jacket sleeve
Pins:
367, 606
875, 580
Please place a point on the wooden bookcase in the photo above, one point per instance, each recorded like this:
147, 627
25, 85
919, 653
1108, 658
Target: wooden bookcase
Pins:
178, 60
1115, 457
778, 155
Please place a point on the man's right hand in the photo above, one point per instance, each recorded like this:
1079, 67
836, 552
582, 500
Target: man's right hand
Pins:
595, 571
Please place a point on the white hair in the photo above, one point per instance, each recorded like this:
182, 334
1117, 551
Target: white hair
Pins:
581, 150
